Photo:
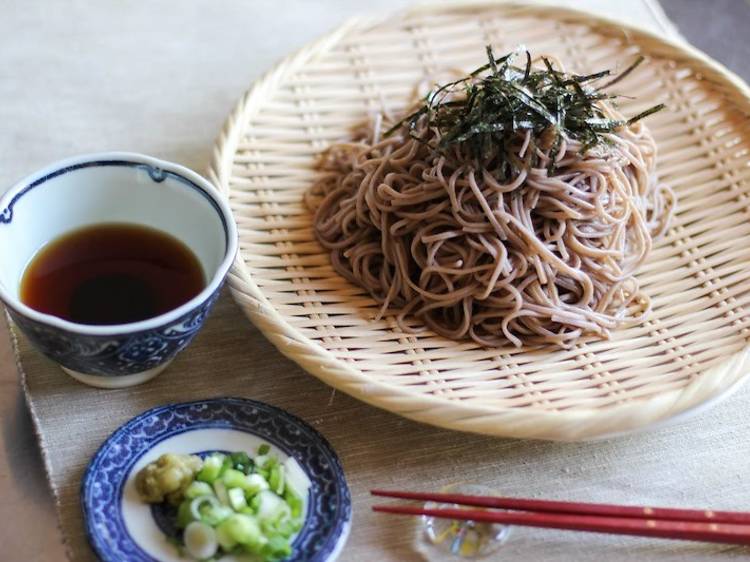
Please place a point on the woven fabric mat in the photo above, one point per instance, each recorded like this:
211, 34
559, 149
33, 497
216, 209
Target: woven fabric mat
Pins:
699, 463
702, 462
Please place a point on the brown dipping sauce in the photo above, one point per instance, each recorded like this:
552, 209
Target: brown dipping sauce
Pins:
111, 274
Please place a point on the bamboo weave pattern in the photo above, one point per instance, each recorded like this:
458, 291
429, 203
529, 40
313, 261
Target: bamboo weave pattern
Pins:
692, 347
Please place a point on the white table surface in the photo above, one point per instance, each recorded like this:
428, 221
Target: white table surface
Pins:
159, 77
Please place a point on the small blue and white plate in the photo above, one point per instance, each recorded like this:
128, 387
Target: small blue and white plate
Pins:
121, 527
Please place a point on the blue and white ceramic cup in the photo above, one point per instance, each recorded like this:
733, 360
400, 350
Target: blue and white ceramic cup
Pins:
114, 187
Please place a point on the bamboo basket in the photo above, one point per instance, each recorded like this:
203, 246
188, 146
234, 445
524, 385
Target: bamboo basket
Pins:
691, 349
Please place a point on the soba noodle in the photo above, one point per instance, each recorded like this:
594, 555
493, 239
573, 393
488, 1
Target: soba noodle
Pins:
536, 259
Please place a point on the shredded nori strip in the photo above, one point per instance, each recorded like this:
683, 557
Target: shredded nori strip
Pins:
491, 109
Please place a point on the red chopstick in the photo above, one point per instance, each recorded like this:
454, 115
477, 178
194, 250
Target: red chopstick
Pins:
657, 528
522, 504
658, 522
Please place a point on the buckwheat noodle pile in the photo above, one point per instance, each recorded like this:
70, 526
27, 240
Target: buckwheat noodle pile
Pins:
526, 226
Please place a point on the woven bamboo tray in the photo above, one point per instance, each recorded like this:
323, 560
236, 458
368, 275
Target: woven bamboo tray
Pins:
692, 348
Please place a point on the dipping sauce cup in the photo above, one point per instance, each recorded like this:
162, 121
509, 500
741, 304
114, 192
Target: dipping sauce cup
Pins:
114, 187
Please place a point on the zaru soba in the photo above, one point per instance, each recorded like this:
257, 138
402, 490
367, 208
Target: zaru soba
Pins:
514, 204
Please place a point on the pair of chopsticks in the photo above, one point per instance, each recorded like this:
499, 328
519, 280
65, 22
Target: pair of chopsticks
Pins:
730, 527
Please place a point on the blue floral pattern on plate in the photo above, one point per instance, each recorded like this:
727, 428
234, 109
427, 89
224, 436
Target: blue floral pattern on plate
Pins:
329, 505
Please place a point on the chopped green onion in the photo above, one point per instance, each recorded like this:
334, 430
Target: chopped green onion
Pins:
197, 489
200, 540
277, 548
276, 479
242, 462
205, 509
225, 540
225, 465
255, 483
239, 457
221, 491
270, 506
260, 462
198, 503
184, 515
296, 478
230, 508
234, 478
286, 527
237, 499
211, 469
243, 529
294, 501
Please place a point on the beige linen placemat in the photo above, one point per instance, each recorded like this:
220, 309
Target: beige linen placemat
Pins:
703, 462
